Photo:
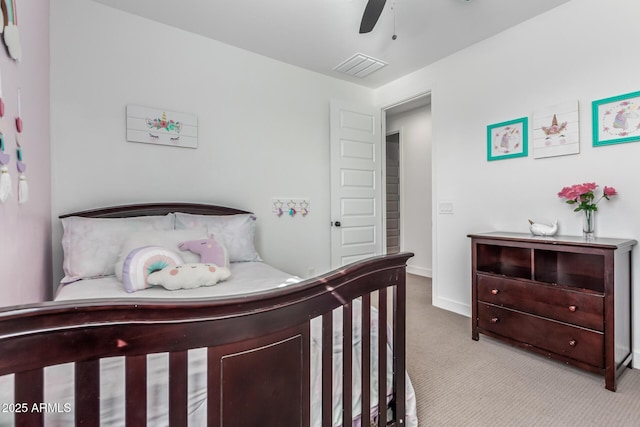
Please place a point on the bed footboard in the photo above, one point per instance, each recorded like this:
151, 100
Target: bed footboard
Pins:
258, 350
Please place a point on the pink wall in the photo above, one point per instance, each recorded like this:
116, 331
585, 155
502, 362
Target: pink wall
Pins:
25, 229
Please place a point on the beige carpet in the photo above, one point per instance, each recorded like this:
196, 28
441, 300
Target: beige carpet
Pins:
461, 382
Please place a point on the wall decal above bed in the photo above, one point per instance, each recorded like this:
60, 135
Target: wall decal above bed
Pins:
161, 127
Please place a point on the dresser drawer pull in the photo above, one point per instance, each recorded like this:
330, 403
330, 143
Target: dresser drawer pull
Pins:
495, 320
494, 292
572, 343
572, 308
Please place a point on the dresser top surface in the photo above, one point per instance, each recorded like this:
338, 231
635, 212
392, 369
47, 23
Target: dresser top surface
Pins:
555, 240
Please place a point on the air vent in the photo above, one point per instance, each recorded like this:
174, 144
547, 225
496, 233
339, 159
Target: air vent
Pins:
360, 65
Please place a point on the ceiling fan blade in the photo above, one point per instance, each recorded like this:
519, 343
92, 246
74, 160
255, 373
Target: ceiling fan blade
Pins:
371, 14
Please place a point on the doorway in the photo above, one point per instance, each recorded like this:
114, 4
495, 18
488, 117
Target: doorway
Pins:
408, 186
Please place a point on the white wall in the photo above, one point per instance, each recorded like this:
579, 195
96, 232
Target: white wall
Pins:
415, 183
263, 127
581, 51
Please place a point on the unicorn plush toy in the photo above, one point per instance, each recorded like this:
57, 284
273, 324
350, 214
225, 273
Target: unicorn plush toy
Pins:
210, 251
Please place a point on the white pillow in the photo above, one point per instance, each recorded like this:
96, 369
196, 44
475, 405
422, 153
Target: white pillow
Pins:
143, 261
234, 232
91, 245
168, 239
189, 276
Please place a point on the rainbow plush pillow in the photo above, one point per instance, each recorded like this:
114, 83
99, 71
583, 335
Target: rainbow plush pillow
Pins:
141, 262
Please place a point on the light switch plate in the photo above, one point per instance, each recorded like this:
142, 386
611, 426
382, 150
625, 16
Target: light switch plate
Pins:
445, 208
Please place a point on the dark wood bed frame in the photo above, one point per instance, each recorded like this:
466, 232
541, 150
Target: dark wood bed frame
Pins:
258, 366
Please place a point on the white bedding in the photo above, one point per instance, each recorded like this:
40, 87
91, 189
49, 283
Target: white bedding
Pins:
246, 277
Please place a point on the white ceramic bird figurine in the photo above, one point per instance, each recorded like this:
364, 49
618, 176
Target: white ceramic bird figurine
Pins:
543, 229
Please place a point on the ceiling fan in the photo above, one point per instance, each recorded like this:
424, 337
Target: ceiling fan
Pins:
372, 12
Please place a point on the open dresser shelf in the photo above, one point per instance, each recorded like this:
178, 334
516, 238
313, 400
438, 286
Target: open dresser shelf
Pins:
563, 297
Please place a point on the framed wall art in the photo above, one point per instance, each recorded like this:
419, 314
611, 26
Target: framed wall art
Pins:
508, 139
556, 130
161, 127
616, 120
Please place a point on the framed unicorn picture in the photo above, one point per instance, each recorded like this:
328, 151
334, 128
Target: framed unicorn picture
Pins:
616, 120
556, 130
508, 139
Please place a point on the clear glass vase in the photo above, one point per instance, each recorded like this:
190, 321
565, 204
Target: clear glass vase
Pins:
589, 224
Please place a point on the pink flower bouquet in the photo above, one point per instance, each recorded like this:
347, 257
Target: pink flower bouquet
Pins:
584, 195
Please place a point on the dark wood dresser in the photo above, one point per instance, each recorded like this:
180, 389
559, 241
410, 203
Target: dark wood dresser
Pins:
563, 297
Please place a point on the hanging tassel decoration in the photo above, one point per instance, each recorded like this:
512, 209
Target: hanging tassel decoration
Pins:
5, 178
5, 183
19, 118
23, 187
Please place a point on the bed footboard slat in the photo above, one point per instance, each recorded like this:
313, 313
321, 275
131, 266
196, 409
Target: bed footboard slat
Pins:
136, 390
399, 341
29, 395
347, 364
178, 388
366, 360
87, 393
382, 356
214, 389
327, 368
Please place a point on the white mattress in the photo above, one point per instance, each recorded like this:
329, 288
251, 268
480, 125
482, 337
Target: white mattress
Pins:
245, 278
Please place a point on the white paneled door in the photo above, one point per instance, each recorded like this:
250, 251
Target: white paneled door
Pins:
356, 183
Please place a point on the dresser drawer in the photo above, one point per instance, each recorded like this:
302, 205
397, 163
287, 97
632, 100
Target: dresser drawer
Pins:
569, 341
575, 307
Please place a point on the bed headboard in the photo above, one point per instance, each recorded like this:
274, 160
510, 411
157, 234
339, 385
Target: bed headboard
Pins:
162, 208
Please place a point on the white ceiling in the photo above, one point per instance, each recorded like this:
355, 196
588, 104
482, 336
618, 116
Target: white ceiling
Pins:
320, 34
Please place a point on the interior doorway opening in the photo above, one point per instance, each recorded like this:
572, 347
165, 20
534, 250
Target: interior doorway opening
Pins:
407, 199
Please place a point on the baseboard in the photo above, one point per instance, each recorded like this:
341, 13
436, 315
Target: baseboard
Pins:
635, 362
454, 306
419, 271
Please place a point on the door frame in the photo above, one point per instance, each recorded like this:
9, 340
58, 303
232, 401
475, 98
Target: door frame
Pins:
383, 121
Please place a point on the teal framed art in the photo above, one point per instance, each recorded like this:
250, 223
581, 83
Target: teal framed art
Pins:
507, 140
616, 120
